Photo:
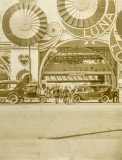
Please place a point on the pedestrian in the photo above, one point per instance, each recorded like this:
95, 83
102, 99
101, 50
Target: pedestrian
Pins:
65, 94
51, 92
113, 94
61, 93
38, 90
116, 95
56, 93
47, 92
71, 91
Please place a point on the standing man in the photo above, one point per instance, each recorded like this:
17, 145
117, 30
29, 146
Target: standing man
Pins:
113, 95
116, 95
65, 95
47, 92
56, 93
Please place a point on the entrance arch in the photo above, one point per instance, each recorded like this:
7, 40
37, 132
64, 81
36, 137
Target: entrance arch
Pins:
80, 48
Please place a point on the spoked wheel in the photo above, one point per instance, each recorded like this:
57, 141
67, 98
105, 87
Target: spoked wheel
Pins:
67, 100
13, 99
42, 99
76, 99
104, 99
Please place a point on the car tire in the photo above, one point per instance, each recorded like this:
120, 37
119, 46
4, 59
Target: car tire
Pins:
76, 99
104, 99
42, 99
2, 101
100, 101
13, 99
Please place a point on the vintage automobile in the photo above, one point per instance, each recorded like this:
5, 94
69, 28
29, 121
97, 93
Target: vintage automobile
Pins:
102, 93
14, 92
11, 91
33, 92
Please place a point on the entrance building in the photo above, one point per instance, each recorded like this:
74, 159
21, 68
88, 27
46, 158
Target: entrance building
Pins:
77, 63
72, 50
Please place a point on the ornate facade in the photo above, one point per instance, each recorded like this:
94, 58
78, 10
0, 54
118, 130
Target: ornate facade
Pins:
69, 41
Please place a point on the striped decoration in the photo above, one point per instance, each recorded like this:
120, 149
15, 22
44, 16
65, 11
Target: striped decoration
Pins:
24, 24
81, 13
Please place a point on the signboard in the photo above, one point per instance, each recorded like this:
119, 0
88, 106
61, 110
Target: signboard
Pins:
24, 59
72, 78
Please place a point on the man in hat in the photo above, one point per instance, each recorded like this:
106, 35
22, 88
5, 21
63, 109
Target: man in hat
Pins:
56, 93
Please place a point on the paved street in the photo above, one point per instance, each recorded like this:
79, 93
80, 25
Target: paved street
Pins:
42, 121
84, 131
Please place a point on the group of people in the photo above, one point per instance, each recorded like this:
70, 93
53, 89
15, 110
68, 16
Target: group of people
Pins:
58, 92
66, 93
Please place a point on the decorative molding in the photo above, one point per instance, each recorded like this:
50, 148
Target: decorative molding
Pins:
55, 31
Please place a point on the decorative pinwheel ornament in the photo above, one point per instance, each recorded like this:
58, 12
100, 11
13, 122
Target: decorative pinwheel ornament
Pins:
81, 13
87, 18
24, 24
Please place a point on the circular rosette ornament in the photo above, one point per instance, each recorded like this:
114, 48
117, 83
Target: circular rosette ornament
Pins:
87, 18
24, 24
54, 29
116, 39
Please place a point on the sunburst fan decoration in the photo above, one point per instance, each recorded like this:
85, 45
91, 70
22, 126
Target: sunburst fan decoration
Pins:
81, 13
24, 24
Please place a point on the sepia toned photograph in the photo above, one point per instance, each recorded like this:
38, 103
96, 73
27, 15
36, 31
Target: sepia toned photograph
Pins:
61, 80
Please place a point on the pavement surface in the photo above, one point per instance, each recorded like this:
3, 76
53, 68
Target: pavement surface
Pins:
84, 131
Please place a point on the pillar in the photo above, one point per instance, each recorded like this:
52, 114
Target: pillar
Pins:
20, 61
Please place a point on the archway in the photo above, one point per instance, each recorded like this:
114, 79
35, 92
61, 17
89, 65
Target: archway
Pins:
77, 61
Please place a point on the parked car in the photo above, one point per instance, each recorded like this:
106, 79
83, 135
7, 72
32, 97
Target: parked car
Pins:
11, 91
14, 92
102, 93
33, 92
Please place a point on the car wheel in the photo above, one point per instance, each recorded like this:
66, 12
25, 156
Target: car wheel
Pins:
76, 99
13, 99
100, 101
104, 99
2, 101
42, 99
